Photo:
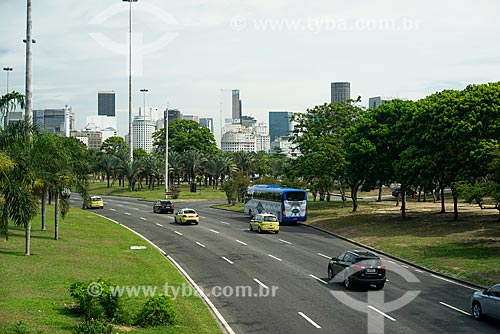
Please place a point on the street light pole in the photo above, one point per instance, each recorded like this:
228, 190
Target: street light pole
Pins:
8, 69
144, 91
130, 139
166, 153
28, 106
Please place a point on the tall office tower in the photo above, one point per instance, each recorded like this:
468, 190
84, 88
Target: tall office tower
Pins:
375, 102
207, 123
248, 121
53, 120
106, 103
236, 105
340, 92
280, 124
142, 129
174, 114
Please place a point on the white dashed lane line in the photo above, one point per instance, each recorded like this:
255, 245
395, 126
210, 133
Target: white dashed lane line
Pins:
454, 308
224, 223
274, 257
201, 245
143, 218
325, 256
227, 260
128, 214
214, 231
284, 241
309, 320
112, 209
241, 242
260, 283
159, 225
381, 313
318, 279
176, 232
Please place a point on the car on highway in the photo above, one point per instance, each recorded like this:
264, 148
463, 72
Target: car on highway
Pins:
186, 216
486, 303
162, 206
95, 202
357, 268
264, 222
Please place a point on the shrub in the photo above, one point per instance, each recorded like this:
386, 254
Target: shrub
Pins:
95, 299
157, 311
93, 326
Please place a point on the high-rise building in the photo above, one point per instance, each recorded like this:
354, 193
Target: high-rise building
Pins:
106, 103
236, 105
207, 123
375, 102
54, 120
280, 124
93, 139
143, 128
340, 92
191, 118
174, 114
248, 121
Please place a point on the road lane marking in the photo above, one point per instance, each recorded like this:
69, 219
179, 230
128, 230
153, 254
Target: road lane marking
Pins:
143, 218
159, 225
319, 279
381, 313
128, 214
325, 256
112, 209
450, 281
214, 231
405, 266
261, 284
391, 261
227, 260
241, 242
120, 205
201, 245
454, 308
136, 209
274, 257
419, 271
179, 233
224, 223
309, 320
286, 242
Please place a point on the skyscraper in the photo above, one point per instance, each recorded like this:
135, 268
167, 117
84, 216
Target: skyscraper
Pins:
236, 105
106, 103
375, 102
340, 92
280, 124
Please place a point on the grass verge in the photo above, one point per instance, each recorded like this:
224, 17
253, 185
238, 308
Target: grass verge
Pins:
35, 289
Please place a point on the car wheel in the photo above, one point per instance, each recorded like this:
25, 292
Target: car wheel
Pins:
259, 229
347, 283
102, 207
196, 223
379, 286
250, 228
276, 232
477, 311
330, 274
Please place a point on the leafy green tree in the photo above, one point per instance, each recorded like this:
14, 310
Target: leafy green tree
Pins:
115, 146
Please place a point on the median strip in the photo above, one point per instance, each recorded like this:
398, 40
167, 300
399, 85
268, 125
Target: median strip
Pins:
309, 320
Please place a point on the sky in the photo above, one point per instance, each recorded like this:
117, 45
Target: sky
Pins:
281, 54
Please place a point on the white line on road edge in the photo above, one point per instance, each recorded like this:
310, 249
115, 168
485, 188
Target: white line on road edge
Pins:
227, 260
317, 278
224, 223
382, 313
391, 261
241, 242
419, 271
179, 233
217, 232
159, 225
405, 266
450, 281
201, 245
274, 257
325, 256
143, 218
309, 320
261, 284
286, 242
203, 296
454, 308
128, 214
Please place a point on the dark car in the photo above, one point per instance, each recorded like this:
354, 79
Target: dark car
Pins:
163, 206
486, 303
357, 267
397, 191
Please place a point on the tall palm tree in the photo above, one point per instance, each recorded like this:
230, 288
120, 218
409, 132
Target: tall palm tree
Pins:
9, 102
228, 166
194, 161
176, 165
107, 164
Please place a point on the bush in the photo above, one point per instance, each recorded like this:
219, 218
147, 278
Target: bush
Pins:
157, 311
93, 326
95, 299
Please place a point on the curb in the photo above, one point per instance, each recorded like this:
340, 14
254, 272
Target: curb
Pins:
474, 285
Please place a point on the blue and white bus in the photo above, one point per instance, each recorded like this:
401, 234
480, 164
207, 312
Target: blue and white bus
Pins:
288, 204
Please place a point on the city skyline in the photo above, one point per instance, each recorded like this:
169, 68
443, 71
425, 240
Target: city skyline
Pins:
280, 55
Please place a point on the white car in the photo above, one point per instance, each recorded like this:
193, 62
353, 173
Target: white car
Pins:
486, 302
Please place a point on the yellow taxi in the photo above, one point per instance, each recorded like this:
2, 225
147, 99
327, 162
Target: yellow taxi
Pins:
95, 202
186, 215
264, 222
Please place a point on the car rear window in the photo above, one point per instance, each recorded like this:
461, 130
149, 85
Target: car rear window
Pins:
369, 261
189, 211
165, 202
270, 219
95, 199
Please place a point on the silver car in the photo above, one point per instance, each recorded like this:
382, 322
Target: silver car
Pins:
486, 302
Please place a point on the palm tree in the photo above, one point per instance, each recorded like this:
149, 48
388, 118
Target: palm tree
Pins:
176, 165
228, 166
9, 102
107, 165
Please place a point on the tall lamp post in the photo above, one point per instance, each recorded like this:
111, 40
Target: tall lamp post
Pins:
8, 69
166, 153
130, 141
144, 91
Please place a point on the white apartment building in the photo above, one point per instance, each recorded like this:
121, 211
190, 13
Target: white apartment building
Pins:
143, 128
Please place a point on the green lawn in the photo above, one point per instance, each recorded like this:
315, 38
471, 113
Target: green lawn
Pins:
35, 288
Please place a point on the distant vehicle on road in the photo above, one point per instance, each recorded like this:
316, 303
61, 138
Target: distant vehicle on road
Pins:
486, 303
162, 206
357, 268
264, 222
186, 215
287, 204
95, 202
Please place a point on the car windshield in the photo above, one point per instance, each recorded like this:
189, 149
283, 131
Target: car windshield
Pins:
270, 219
189, 211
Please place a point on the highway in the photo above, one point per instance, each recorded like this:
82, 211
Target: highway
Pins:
220, 255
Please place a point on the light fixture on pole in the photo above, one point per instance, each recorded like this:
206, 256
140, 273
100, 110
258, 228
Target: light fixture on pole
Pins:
130, 139
8, 69
144, 91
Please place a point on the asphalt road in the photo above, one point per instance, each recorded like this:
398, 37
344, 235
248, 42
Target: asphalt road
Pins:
222, 256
